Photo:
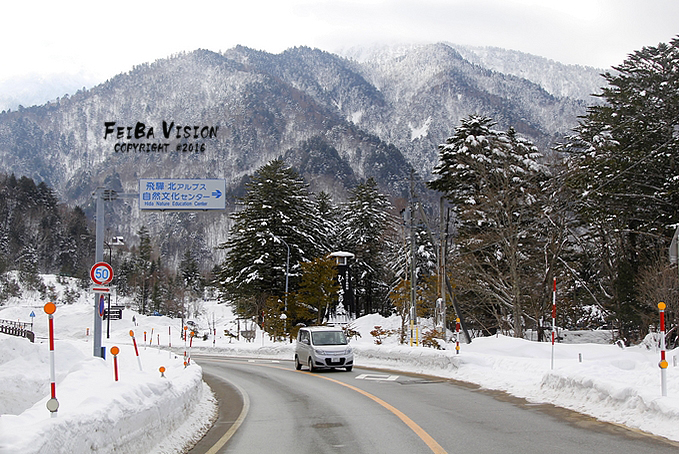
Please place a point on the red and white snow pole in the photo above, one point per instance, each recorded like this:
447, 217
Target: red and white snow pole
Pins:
52, 403
136, 350
190, 344
185, 361
114, 351
663, 362
553, 320
457, 336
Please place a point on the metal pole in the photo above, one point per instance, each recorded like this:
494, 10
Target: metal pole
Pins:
108, 297
553, 320
442, 269
413, 274
287, 269
98, 257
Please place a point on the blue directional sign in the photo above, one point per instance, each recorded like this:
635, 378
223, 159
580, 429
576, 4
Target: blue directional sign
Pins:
182, 194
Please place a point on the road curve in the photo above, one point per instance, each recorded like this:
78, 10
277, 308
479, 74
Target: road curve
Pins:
367, 411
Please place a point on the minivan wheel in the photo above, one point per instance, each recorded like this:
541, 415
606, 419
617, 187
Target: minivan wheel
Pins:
311, 366
348, 368
298, 365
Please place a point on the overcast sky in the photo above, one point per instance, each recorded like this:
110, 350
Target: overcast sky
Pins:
105, 38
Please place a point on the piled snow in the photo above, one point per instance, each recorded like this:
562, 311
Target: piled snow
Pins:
144, 412
602, 380
141, 412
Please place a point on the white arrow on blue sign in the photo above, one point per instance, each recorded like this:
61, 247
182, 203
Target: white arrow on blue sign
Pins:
182, 194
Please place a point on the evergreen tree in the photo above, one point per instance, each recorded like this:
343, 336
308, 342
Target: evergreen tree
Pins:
319, 287
144, 268
366, 228
330, 215
190, 274
623, 167
493, 180
277, 211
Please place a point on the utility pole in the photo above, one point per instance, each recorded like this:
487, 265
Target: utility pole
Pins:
413, 273
442, 267
98, 257
100, 196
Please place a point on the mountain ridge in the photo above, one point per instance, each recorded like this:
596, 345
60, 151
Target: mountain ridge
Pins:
373, 118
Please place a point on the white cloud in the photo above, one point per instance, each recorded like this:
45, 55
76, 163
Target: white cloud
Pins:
105, 38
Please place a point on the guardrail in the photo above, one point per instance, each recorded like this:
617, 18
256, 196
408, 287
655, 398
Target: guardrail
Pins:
19, 329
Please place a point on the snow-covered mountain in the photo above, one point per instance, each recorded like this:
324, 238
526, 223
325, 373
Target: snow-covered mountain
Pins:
374, 112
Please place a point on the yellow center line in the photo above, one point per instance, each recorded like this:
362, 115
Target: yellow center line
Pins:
419, 431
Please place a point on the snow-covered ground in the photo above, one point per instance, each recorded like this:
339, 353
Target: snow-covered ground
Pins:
145, 412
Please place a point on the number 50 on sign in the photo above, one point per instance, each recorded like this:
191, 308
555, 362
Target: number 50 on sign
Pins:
101, 273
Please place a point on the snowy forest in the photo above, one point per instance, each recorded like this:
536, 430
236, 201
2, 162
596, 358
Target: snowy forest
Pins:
596, 213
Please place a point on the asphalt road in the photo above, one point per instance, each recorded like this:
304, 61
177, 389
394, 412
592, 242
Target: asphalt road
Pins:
268, 407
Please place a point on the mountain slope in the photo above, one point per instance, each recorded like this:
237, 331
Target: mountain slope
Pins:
338, 119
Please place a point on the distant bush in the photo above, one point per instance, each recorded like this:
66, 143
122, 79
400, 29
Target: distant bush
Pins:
432, 338
8, 288
380, 334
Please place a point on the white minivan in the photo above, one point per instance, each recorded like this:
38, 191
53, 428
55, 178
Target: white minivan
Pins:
322, 347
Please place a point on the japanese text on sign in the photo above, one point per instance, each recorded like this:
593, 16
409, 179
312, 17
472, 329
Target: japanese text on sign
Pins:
182, 194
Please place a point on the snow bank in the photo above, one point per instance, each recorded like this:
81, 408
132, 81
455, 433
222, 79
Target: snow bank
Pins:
610, 384
146, 413
96, 413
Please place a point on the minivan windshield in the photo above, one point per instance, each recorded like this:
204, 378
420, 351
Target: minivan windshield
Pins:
329, 338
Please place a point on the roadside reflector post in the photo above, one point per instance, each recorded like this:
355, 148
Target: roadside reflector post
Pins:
185, 329
663, 361
52, 403
190, 344
162, 371
114, 351
151, 338
553, 320
136, 350
457, 336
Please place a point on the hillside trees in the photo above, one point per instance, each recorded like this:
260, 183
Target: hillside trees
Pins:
39, 235
366, 229
492, 179
279, 212
277, 215
623, 167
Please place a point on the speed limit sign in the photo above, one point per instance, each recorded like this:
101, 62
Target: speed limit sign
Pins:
101, 273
